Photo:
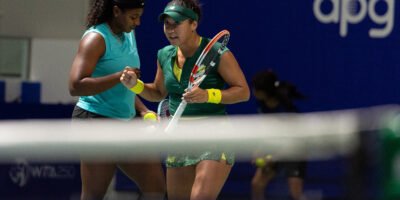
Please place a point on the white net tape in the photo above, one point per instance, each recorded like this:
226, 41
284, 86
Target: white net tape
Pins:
288, 136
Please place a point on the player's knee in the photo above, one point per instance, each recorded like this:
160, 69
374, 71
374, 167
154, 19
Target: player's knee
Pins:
203, 192
95, 192
203, 195
296, 194
91, 196
152, 196
160, 188
155, 187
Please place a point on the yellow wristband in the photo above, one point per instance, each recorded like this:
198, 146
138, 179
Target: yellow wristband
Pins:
150, 116
138, 88
214, 96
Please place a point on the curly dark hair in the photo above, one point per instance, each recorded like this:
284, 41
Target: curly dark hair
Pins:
285, 92
191, 4
101, 10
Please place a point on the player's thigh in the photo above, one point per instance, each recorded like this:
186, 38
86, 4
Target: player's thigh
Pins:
180, 181
211, 176
149, 176
96, 176
295, 187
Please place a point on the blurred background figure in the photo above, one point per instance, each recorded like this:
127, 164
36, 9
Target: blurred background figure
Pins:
275, 96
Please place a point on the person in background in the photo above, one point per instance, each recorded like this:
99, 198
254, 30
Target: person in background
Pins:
200, 175
276, 96
106, 49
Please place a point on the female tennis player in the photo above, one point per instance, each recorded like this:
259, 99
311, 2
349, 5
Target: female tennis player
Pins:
106, 48
199, 175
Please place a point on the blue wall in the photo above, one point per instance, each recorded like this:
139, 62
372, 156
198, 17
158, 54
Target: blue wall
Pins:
334, 71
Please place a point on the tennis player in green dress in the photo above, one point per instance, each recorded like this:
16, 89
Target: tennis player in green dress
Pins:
201, 174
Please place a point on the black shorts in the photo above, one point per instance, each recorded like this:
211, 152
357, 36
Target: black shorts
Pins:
80, 113
292, 169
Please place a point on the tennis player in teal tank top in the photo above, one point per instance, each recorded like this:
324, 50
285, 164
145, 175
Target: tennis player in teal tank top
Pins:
121, 51
106, 49
196, 175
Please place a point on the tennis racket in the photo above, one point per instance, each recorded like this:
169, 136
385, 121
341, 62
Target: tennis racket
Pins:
163, 110
205, 62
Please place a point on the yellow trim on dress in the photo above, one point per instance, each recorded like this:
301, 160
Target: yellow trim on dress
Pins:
177, 70
223, 156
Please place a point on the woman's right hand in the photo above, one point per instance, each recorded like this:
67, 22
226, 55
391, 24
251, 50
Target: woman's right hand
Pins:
129, 77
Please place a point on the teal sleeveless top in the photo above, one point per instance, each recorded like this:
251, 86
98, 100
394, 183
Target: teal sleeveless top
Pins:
166, 57
118, 101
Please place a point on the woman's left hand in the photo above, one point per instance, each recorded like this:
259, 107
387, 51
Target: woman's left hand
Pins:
195, 95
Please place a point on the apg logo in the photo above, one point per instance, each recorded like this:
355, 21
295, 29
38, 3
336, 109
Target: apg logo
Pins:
345, 12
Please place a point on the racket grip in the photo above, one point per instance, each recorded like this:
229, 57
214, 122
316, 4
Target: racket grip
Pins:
178, 113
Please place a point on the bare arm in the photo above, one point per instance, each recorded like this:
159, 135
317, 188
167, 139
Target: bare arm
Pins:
152, 91
141, 107
230, 71
91, 48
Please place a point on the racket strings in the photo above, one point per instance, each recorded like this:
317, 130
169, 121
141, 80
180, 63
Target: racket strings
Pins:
206, 60
163, 109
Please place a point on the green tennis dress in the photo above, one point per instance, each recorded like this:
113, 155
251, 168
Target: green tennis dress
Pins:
176, 86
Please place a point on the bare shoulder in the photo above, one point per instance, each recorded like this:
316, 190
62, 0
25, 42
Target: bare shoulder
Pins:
92, 39
92, 42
